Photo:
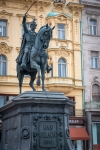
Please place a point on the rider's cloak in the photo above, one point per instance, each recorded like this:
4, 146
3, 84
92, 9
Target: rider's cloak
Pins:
21, 53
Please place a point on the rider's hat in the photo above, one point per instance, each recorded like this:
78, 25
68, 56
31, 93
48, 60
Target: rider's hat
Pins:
33, 22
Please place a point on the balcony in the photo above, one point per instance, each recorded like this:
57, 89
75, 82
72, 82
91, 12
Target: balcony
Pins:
77, 113
92, 105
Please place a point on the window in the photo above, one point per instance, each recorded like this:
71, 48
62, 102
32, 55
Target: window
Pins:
72, 108
93, 27
61, 67
95, 92
3, 65
3, 28
28, 26
94, 59
2, 100
61, 31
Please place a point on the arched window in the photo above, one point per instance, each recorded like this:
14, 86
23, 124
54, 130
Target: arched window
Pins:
3, 65
95, 92
61, 67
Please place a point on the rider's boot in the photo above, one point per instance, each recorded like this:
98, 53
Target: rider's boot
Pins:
23, 65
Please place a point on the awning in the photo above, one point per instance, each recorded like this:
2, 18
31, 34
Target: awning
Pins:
78, 133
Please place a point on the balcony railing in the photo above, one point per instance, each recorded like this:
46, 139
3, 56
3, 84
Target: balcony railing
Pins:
92, 105
77, 113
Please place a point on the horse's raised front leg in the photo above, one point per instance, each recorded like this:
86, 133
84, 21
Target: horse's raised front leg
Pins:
43, 69
32, 78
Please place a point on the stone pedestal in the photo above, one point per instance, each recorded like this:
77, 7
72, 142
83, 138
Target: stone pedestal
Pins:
36, 121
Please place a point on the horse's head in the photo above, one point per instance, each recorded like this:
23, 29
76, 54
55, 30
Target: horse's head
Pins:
43, 37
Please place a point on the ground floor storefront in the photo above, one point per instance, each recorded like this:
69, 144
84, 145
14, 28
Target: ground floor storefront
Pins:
78, 133
93, 128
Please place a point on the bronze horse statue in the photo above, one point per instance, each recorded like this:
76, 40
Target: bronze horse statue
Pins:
38, 63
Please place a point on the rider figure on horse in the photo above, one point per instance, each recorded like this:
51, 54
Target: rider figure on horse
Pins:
27, 42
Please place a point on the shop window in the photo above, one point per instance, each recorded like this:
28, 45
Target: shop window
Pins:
93, 27
3, 65
94, 59
78, 145
96, 133
28, 26
3, 28
61, 31
61, 67
95, 92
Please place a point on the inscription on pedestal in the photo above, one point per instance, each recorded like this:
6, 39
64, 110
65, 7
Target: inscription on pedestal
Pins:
48, 134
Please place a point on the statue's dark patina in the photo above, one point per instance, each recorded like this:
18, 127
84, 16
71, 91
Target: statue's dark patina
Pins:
33, 56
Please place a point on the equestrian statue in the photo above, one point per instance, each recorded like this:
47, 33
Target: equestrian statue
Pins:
33, 57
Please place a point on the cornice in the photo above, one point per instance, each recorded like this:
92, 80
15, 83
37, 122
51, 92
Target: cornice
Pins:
61, 40
92, 13
29, 1
60, 48
61, 17
75, 6
91, 5
29, 16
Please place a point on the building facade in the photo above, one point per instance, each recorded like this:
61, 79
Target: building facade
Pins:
91, 59
64, 51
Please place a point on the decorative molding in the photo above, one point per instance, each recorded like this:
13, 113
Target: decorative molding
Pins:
60, 2
76, 46
93, 13
41, 18
18, 49
3, 12
44, 2
76, 14
50, 60
62, 17
3, 4
63, 52
41, 9
4, 48
75, 6
4, 38
76, 26
58, 7
3, 78
64, 89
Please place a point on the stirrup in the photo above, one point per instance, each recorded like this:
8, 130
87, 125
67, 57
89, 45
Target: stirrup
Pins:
23, 65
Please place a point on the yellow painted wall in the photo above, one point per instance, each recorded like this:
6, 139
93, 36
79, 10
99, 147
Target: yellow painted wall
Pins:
69, 49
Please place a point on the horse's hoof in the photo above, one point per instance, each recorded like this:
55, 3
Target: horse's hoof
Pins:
44, 90
34, 89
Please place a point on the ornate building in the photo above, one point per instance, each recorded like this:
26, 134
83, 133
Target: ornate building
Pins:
64, 51
91, 58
